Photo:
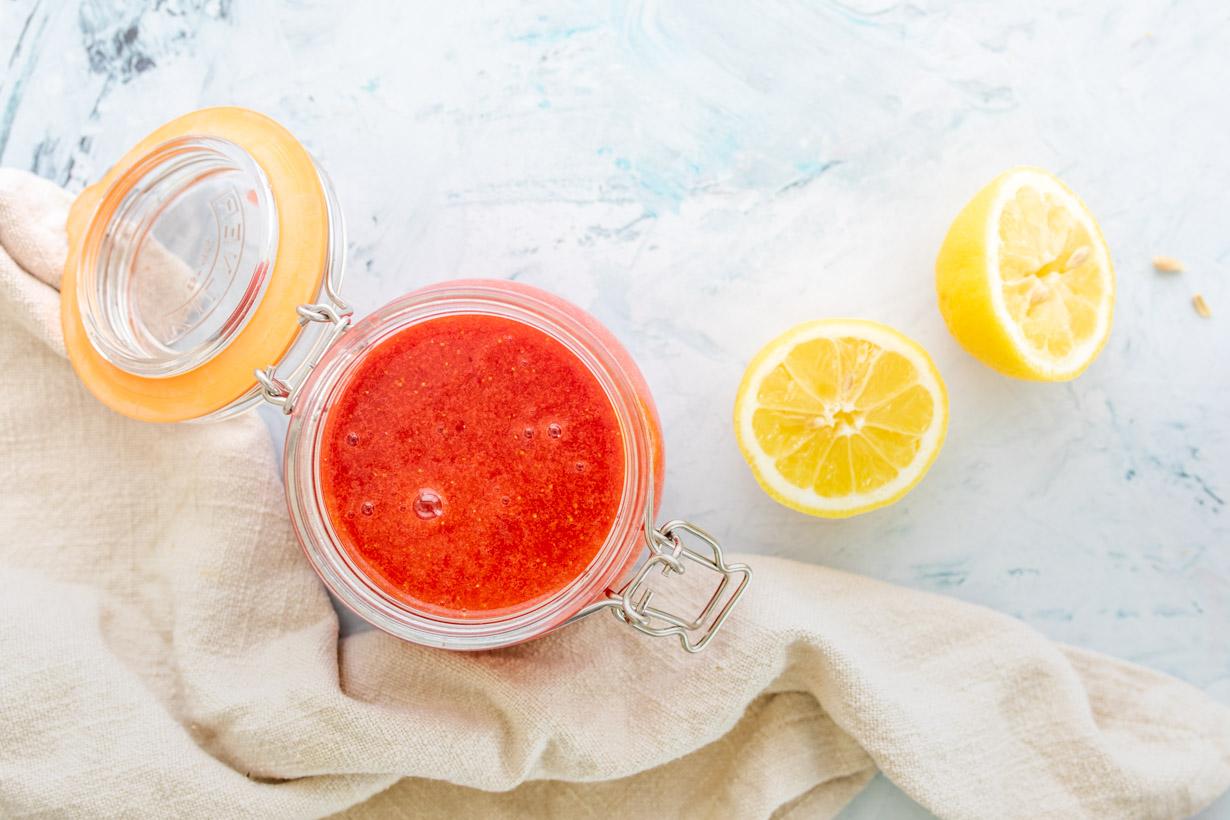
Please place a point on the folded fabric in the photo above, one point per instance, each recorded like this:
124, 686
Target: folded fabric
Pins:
168, 651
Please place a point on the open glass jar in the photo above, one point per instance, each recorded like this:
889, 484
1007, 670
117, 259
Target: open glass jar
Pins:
432, 446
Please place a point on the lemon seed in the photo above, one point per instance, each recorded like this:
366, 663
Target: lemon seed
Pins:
1077, 258
1167, 264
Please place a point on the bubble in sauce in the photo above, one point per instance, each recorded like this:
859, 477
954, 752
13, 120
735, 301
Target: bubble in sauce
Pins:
428, 505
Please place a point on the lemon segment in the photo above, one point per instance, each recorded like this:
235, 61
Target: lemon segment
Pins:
1025, 280
840, 416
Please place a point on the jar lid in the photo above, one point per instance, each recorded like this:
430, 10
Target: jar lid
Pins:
187, 261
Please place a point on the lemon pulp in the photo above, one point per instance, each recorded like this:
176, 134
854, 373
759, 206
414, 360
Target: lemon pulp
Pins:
837, 417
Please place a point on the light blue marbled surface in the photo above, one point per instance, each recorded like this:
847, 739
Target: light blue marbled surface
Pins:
701, 176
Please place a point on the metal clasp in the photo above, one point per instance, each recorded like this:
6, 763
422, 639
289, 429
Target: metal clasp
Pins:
668, 552
337, 315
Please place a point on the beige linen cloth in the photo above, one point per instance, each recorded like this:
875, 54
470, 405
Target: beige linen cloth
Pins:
167, 651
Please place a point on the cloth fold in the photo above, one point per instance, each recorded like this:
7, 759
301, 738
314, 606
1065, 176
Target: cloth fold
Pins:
168, 650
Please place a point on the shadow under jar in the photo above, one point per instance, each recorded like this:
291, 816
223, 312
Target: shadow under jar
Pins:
471, 466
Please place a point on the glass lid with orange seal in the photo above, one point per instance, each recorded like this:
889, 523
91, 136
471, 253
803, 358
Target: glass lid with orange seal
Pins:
183, 280
473, 465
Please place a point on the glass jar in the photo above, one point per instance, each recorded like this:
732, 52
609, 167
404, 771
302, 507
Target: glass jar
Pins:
183, 301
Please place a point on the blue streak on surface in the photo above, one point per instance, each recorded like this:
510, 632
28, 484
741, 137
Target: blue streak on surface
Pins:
553, 35
941, 574
11, 105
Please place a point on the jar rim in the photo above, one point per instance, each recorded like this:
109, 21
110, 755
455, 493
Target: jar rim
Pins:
584, 338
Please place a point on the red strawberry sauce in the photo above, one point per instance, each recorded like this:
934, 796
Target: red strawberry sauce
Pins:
471, 464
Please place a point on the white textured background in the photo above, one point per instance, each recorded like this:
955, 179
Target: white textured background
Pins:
702, 175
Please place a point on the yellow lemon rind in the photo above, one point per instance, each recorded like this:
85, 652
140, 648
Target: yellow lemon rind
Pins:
969, 290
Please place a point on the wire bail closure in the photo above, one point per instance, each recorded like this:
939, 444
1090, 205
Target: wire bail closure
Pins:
338, 315
667, 550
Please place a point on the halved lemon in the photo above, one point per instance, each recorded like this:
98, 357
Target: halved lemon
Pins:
840, 416
1024, 278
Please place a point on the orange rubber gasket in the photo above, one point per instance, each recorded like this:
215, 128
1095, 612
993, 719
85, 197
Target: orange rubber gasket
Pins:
295, 278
